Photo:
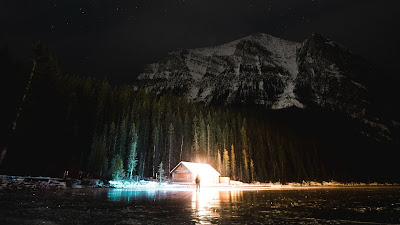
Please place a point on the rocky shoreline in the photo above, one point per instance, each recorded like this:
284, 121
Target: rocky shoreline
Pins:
28, 182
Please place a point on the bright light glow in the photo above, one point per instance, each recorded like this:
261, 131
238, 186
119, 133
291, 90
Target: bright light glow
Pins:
208, 175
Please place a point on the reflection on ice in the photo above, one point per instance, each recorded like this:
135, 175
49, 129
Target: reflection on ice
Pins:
207, 203
128, 195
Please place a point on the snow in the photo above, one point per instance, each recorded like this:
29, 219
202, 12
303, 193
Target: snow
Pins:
196, 67
331, 43
286, 57
205, 94
195, 75
140, 184
237, 185
261, 85
237, 69
258, 64
194, 92
359, 85
287, 98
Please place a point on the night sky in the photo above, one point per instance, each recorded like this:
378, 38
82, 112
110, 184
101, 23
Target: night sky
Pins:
117, 38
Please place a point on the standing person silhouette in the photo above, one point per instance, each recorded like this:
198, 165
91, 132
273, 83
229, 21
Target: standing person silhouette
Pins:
197, 180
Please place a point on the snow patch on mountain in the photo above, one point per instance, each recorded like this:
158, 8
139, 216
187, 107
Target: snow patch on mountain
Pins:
288, 97
285, 56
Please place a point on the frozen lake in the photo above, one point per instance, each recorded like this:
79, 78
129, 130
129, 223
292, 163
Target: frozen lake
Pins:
355, 205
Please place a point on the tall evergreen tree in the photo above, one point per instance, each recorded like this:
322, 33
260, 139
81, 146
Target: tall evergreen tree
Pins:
171, 141
161, 171
196, 146
97, 157
122, 139
233, 163
225, 163
219, 161
156, 146
245, 166
117, 168
252, 170
208, 142
202, 136
132, 158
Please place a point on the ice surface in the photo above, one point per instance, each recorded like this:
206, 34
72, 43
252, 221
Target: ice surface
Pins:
355, 205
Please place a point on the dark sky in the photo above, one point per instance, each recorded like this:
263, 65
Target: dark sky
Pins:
116, 38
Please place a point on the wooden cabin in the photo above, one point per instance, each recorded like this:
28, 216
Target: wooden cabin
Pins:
186, 172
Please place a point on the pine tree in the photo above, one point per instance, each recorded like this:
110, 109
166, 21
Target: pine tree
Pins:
98, 156
117, 168
132, 158
202, 136
161, 170
187, 136
219, 163
122, 138
253, 175
208, 142
225, 134
225, 163
243, 133
196, 147
156, 140
245, 166
112, 145
171, 142
233, 163
102, 100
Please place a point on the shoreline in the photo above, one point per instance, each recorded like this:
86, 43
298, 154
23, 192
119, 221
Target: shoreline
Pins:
27, 182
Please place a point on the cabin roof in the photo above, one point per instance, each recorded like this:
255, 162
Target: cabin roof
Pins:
198, 168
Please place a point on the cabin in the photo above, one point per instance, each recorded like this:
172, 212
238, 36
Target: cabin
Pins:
186, 172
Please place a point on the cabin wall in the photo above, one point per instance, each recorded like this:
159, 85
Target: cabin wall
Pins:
182, 174
213, 179
179, 176
224, 180
188, 177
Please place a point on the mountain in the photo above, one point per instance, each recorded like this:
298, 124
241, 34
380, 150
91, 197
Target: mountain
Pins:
258, 69
318, 74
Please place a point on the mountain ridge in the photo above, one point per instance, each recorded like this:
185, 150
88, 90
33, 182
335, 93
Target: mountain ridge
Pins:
260, 69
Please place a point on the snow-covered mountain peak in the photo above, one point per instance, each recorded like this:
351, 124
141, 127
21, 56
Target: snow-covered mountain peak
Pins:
264, 70
279, 47
257, 69
260, 65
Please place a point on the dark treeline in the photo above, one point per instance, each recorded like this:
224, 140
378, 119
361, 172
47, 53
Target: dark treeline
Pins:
108, 131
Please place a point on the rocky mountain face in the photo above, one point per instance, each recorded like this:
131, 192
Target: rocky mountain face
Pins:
258, 69
331, 76
264, 70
